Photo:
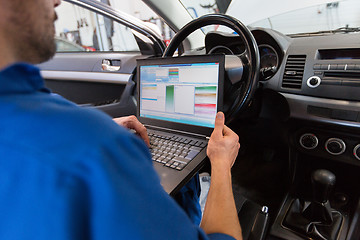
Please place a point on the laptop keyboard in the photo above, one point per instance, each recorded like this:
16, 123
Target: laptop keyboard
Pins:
174, 151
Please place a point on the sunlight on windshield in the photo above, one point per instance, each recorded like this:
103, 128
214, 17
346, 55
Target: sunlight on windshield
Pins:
320, 17
197, 8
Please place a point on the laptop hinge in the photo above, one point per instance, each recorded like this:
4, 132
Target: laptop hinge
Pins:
178, 131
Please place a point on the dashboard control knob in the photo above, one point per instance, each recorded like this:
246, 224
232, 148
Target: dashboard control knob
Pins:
309, 141
335, 146
357, 152
313, 81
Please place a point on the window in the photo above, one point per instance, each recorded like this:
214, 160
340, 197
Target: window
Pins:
79, 29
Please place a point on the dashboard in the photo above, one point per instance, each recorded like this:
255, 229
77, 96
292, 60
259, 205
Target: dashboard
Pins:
318, 77
270, 52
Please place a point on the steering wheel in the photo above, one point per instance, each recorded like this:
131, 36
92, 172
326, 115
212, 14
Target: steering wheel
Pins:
237, 94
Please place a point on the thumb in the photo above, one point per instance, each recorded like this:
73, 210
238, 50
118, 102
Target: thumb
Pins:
219, 123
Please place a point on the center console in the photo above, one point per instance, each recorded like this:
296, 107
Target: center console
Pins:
322, 204
324, 200
319, 81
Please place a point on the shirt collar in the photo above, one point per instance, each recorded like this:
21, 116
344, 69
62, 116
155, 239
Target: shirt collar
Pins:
21, 78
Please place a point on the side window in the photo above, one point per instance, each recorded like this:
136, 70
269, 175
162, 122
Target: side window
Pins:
78, 29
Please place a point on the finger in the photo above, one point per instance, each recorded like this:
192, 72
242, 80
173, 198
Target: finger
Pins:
119, 121
140, 130
219, 124
131, 122
228, 132
144, 136
231, 135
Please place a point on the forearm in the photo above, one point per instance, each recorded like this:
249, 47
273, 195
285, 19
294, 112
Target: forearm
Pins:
220, 215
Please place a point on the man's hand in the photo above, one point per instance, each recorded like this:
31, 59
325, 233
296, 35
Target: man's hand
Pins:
223, 145
220, 215
131, 122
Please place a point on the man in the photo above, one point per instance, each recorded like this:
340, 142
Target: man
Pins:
72, 173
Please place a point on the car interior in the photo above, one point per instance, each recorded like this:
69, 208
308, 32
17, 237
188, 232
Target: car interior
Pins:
293, 100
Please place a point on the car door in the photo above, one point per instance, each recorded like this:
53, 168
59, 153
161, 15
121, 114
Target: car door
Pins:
97, 49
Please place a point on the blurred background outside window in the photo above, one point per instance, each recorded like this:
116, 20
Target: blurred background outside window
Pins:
78, 29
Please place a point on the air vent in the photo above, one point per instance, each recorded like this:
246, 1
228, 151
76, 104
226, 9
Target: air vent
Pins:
294, 71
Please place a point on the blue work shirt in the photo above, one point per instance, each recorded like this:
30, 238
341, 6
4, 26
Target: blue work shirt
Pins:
72, 173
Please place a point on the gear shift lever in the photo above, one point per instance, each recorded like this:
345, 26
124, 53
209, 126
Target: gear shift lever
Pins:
322, 182
316, 219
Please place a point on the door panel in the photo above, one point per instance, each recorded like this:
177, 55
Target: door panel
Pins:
87, 93
79, 78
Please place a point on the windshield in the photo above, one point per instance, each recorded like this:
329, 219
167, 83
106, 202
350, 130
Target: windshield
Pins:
287, 17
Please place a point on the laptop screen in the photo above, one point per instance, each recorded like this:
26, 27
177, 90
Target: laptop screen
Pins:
180, 92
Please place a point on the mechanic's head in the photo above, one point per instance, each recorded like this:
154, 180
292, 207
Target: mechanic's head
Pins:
27, 30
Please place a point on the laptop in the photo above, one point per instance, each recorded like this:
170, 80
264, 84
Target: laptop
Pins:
178, 99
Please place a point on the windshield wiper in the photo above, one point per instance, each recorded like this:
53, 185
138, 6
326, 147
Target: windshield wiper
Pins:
345, 29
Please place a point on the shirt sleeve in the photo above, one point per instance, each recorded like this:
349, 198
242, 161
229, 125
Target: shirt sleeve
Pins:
127, 200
